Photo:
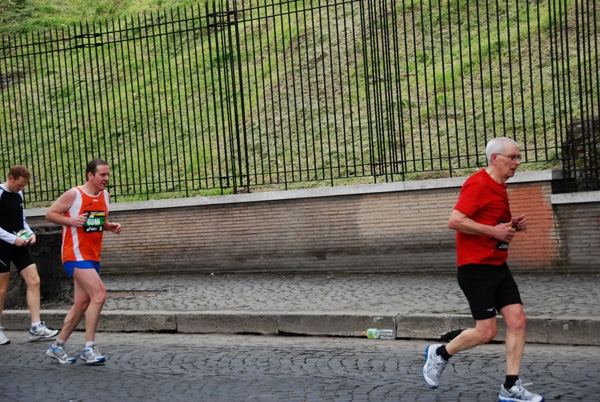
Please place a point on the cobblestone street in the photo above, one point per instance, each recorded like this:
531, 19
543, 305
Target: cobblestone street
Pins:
159, 367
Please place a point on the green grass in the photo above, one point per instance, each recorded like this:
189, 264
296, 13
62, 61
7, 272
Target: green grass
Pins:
23, 16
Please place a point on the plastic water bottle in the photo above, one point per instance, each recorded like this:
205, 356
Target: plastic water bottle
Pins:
374, 333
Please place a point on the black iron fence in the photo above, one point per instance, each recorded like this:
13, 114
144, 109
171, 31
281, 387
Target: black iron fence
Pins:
237, 96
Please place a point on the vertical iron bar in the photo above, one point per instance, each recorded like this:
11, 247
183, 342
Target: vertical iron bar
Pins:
333, 104
149, 164
342, 104
480, 62
434, 91
294, 90
36, 135
54, 154
183, 134
542, 94
74, 166
443, 59
491, 78
503, 107
510, 71
425, 80
531, 87
207, 97
408, 88
280, 113
417, 86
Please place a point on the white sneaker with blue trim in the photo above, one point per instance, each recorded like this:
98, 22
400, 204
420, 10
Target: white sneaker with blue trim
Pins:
518, 393
92, 356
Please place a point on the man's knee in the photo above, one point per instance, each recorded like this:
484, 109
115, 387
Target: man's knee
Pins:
100, 297
514, 317
487, 330
488, 335
4, 279
31, 277
517, 323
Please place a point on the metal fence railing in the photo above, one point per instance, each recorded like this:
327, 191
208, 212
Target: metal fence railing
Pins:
236, 96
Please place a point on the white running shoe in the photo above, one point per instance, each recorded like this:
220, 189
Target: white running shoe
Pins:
3, 339
434, 366
59, 354
92, 356
41, 332
517, 393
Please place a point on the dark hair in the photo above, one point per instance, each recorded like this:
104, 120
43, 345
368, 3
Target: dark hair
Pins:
19, 171
93, 165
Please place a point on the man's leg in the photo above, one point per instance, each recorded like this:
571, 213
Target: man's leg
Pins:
90, 283
484, 332
4, 279
32, 279
437, 355
513, 389
81, 301
516, 322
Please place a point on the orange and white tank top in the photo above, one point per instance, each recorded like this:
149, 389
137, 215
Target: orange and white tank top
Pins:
85, 243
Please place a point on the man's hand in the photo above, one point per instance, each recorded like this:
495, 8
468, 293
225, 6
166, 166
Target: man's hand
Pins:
113, 227
504, 232
520, 223
79, 221
21, 242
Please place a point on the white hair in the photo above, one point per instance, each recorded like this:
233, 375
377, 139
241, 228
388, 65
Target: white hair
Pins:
497, 146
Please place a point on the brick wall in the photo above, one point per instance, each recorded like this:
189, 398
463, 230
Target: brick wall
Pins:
395, 227
578, 224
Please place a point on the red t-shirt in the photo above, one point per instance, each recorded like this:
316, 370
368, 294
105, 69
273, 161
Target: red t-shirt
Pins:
485, 201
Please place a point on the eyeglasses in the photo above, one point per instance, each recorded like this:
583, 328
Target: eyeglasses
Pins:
512, 157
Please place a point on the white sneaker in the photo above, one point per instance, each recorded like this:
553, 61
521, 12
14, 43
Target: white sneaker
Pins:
517, 393
434, 366
59, 354
41, 332
3, 339
92, 356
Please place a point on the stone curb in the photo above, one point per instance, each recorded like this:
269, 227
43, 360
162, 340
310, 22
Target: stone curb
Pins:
544, 330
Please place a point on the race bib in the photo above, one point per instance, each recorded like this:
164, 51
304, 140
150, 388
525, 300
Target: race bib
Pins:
94, 222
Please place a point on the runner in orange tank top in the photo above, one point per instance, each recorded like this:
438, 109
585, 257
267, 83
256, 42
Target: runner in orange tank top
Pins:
85, 243
83, 213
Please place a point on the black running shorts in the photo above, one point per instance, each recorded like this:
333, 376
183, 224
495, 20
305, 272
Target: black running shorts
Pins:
488, 288
20, 256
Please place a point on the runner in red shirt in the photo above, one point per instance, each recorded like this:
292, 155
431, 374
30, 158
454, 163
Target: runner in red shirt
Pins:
485, 228
83, 212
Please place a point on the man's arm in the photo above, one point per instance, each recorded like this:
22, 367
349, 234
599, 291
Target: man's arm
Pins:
56, 213
7, 236
462, 223
112, 227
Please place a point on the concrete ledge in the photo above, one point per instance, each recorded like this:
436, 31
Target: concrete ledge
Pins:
324, 324
429, 184
226, 323
575, 198
546, 330
128, 321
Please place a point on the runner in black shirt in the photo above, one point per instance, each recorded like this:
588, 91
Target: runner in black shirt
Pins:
15, 238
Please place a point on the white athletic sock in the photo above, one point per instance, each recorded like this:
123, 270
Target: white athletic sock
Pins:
58, 343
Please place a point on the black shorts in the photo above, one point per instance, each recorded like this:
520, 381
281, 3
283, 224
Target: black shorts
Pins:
488, 288
20, 256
